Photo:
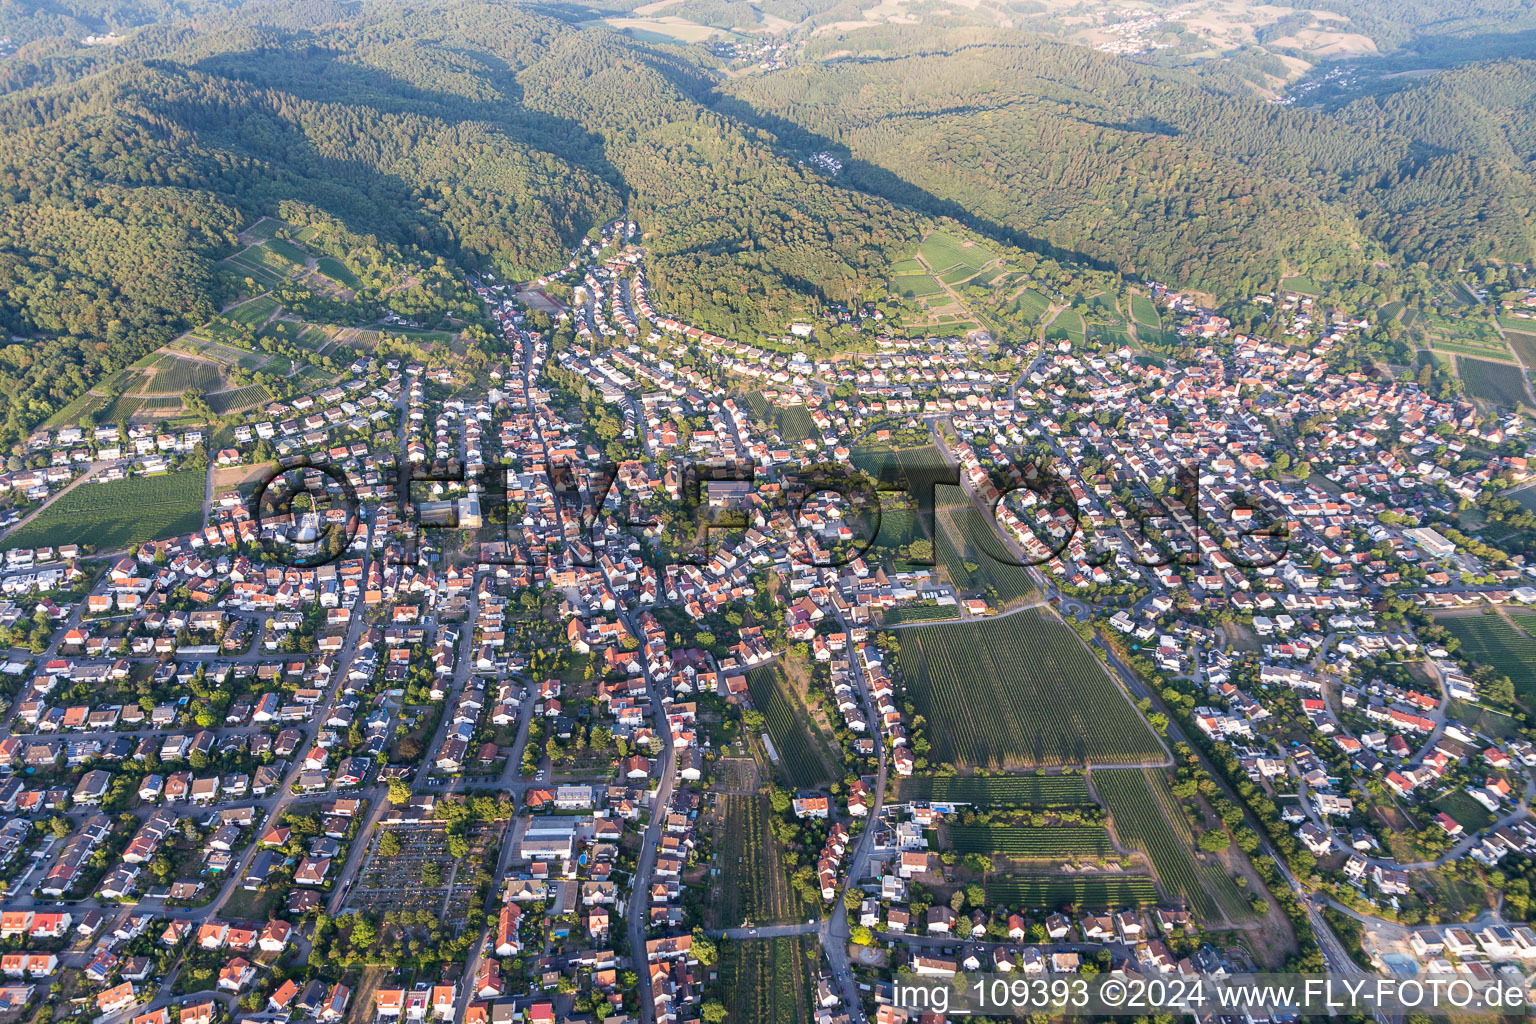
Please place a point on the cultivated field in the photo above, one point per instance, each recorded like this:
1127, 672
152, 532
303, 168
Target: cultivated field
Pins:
788, 727
753, 886
1000, 790
1489, 640
1145, 815
114, 515
1144, 311
968, 537
1032, 842
769, 981
1049, 892
1500, 383
1019, 691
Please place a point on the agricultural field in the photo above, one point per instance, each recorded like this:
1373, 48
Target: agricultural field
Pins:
1000, 790
916, 286
769, 981
1048, 892
795, 423
944, 252
337, 271
1524, 344
752, 884
1146, 816
1500, 383
903, 614
1144, 311
1069, 325
255, 312
1019, 692
1030, 305
114, 515
171, 375
968, 537
1031, 842
224, 402
788, 726
1491, 641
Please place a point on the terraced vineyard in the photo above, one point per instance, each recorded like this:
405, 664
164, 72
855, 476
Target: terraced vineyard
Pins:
1048, 892
1030, 842
1146, 816
799, 760
769, 981
1000, 790
753, 886
1020, 691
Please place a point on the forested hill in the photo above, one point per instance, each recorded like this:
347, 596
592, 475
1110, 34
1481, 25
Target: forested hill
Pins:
485, 133
1157, 172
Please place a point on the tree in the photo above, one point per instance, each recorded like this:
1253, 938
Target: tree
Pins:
1215, 840
704, 949
713, 1011
859, 935
389, 845
399, 792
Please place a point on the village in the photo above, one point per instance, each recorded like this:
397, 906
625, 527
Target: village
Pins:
378, 743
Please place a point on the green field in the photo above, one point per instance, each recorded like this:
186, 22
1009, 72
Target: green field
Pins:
1069, 324
1000, 790
224, 402
1391, 311
1499, 383
255, 312
753, 885
905, 613
1301, 284
916, 286
769, 981
1147, 816
114, 515
172, 375
1470, 814
907, 268
1031, 305
337, 271
1019, 691
943, 252
966, 536
788, 726
956, 276
1144, 311
1524, 344
795, 423
1031, 842
1049, 892
1489, 640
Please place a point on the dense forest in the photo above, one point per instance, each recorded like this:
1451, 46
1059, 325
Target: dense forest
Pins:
1157, 172
497, 136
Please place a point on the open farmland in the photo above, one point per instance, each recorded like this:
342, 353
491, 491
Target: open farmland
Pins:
1490, 640
1048, 892
1032, 842
1000, 790
1144, 311
113, 515
1146, 816
788, 727
769, 981
1019, 691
